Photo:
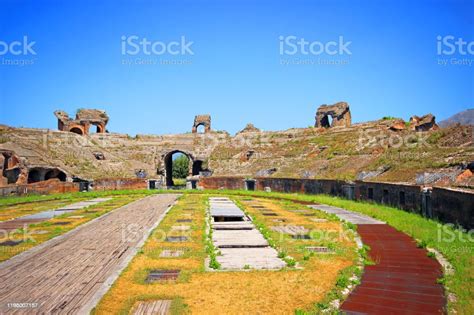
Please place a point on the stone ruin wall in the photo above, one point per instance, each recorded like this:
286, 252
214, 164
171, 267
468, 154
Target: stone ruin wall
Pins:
299, 152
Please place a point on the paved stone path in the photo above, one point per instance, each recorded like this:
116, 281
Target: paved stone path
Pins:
69, 274
346, 215
404, 278
240, 243
19, 222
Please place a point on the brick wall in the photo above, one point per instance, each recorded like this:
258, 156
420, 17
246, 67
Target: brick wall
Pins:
222, 182
51, 186
121, 183
453, 206
407, 197
445, 205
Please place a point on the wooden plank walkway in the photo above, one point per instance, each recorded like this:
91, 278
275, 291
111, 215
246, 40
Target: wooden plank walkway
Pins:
69, 274
404, 278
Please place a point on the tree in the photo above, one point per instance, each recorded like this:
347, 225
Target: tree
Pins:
180, 166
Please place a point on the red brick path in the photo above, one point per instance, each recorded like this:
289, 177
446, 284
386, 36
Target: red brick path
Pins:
403, 280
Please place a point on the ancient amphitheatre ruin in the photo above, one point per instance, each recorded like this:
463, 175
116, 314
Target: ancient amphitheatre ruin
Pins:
339, 217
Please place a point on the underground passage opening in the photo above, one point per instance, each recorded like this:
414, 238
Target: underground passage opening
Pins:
76, 130
34, 176
12, 175
227, 219
40, 174
177, 168
197, 167
249, 184
176, 239
55, 174
162, 275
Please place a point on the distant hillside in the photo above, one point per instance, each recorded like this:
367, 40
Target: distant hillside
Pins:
464, 118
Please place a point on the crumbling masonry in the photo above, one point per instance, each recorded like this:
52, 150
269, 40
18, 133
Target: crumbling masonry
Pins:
84, 119
202, 120
339, 112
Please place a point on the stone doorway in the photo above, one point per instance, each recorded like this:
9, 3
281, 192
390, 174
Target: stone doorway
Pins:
174, 170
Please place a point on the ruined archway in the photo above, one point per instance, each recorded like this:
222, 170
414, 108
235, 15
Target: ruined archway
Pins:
204, 121
38, 174
96, 128
55, 173
197, 167
168, 161
200, 128
34, 175
337, 115
76, 130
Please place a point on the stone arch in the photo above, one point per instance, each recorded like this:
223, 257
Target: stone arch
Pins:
197, 167
38, 174
99, 128
339, 113
55, 173
77, 130
201, 128
168, 163
202, 120
35, 175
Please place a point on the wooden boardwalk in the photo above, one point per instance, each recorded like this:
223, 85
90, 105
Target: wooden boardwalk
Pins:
404, 278
69, 274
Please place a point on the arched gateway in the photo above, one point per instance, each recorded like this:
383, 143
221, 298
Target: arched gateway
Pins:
194, 166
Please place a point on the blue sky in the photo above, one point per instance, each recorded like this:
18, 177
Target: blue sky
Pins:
236, 72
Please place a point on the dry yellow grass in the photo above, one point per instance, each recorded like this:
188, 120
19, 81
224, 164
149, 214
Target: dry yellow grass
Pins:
208, 292
49, 229
14, 211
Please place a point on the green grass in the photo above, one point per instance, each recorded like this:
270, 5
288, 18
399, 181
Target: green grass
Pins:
9, 201
457, 246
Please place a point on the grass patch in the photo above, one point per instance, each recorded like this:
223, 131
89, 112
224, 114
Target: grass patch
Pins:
220, 291
454, 244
